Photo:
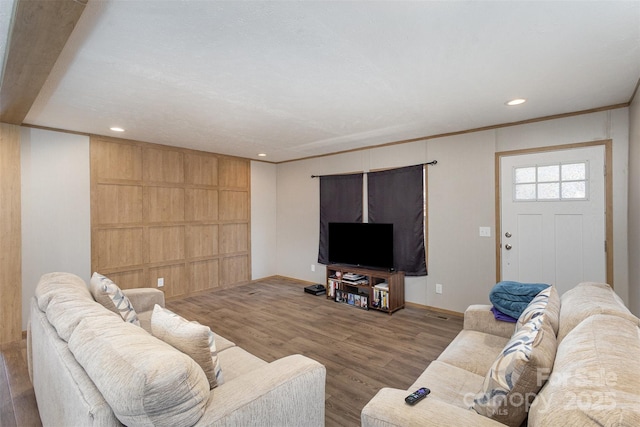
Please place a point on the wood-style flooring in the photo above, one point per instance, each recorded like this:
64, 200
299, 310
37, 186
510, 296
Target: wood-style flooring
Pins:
363, 351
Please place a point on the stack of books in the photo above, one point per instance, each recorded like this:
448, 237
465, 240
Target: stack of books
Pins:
381, 296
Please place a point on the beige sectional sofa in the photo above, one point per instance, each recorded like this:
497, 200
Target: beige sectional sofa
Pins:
583, 369
90, 368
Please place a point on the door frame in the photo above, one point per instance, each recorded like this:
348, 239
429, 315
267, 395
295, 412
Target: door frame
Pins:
608, 189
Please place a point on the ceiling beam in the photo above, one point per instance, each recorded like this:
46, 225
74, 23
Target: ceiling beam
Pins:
39, 31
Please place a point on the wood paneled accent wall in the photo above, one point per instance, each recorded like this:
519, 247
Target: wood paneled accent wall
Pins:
10, 235
172, 213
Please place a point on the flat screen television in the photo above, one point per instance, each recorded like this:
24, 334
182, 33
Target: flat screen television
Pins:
361, 244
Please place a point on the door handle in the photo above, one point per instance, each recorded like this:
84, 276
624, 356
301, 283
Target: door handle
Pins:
508, 247
507, 234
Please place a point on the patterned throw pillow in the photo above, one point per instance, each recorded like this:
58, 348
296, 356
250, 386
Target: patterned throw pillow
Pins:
191, 338
518, 373
536, 308
110, 296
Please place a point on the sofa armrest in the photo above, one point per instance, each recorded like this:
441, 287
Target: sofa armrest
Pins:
143, 299
479, 317
387, 408
285, 392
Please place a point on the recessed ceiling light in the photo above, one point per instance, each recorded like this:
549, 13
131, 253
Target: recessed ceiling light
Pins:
116, 129
517, 101
262, 155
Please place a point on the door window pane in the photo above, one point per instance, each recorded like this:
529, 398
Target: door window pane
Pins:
574, 172
551, 182
549, 173
549, 191
525, 191
525, 175
574, 190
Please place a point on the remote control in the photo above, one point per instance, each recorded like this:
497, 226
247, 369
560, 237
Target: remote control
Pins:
417, 396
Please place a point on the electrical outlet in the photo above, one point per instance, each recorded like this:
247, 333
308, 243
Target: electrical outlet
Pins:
438, 288
160, 282
313, 267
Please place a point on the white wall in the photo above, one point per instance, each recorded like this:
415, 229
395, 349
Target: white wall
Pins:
56, 223
461, 199
634, 206
284, 205
263, 219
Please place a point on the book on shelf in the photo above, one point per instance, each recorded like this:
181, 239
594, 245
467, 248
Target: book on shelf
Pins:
333, 285
380, 298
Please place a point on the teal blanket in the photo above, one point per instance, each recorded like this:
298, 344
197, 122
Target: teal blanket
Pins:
513, 297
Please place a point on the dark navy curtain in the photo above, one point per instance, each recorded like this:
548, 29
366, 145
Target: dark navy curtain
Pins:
340, 201
396, 197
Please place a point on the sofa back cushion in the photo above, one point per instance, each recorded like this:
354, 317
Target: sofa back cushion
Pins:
66, 301
145, 381
52, 284
514, 378
595, 379
588, 299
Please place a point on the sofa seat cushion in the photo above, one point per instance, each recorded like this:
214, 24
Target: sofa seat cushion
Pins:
222, 343
237, 361
145, 381
587, 299
473, 351
450, 384
595, 377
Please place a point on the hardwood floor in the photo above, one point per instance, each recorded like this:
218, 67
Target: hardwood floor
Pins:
363, 351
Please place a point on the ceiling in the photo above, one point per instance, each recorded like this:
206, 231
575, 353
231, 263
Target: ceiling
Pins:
294, 79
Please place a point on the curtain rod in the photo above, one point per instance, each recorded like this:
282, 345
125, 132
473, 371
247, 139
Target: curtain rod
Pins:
432, 163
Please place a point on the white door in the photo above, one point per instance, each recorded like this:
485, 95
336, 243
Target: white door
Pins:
553, 217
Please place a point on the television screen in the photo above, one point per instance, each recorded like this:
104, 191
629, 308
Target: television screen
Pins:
361, 244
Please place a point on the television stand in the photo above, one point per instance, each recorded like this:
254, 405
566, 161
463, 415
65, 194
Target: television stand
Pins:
365, 288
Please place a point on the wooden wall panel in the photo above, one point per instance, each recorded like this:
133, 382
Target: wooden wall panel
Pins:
10, 235
127, 279
201, 205
202, 241
234, 270
204, 275
171, 213
201, 169
166, 244
175, 283
116, 161
234, 205
164, 204
118, 204
234, 172
117, 248
234, 238
160, 165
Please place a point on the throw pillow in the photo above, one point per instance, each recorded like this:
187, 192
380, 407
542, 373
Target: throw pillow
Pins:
111, 296
535, 308
518, 373
191, 338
